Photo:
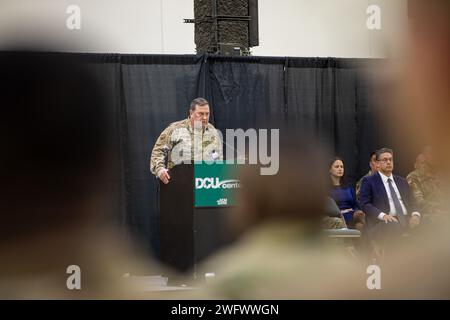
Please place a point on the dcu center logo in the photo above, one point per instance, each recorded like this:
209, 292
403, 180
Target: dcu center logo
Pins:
215, 183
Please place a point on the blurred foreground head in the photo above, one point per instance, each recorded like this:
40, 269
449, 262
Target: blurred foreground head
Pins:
295, 194
53, 132
55, 170
282, 253
423, 115
426, 77
53, 139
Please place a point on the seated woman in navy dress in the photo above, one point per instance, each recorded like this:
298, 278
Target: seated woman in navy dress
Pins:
345, 196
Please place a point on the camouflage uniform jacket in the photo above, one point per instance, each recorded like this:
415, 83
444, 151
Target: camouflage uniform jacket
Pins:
176, 144
426, 189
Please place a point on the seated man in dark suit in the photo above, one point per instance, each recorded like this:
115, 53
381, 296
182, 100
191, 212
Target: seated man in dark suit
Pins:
387, 200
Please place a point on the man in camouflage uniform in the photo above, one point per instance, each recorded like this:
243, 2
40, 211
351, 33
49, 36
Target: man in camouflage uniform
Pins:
373, 163
420, 161
425, 186
185, 141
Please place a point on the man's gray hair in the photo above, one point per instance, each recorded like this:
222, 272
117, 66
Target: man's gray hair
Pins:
384, 150
198, 102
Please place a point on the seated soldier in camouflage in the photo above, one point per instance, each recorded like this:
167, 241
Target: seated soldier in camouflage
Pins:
184, 141
425, 186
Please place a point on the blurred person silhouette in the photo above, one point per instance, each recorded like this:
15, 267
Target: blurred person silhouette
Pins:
419, 268
282, 250
426, 97
426, 187
54, 173
424, 87
420, 161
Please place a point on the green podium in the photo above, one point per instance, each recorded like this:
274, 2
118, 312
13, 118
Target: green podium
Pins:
215, 184
194, 209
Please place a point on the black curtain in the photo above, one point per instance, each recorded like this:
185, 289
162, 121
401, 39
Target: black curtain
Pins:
332, 99
329, 97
